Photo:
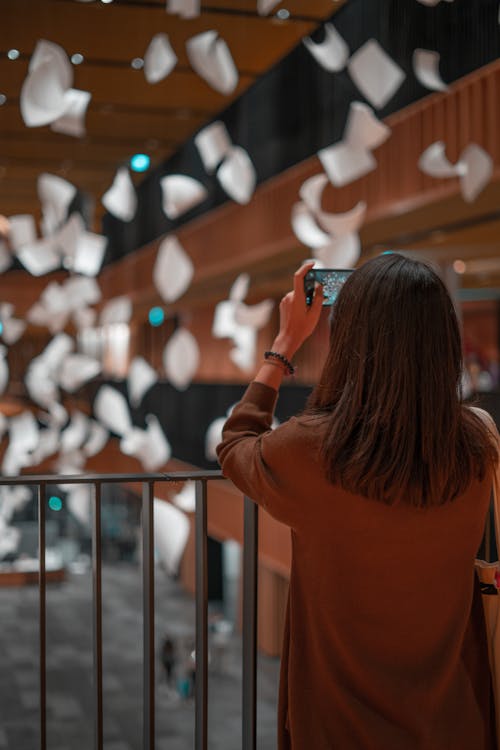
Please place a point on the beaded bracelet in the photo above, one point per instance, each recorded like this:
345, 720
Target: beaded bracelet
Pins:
290, 369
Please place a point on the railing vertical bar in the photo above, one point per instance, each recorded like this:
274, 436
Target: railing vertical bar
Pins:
201, 653
148, 587
97, 616
42, 616
249, 697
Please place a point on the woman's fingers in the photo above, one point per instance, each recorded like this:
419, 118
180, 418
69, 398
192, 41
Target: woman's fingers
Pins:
298, 278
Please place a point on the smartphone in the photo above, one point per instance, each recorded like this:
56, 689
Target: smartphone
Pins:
330, 278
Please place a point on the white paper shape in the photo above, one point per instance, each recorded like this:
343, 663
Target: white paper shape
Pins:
375, 74
75, 433
244, 337
4, 378
213, 144
344, 164
13, 329
121, 199
55, 194
311, 191
213, 437
224, 323
141, 377
478, 168
22, 231
255, 316
79, 503
426, 69
117, 310
186, 499
210, 57
48, 445
332, 54
84, 317
237, 175
171, 532
40, 257
76, 370
23, 432
42, 98
46, 51
433, 162
348, 222
155, 451
181, 358
363, 129
184, 8
180, 194
264, 7
173, 269
342, 252
97, 438
306, 228
239, 288
72, 121
159, 59
68, 238
111, 409
89, 254
5, 257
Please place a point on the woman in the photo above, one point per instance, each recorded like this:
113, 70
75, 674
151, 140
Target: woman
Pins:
385, 482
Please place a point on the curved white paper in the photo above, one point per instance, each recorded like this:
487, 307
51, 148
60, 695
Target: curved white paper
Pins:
264, 7
75, 433
48, 444
311, 191
243, 354
239, 288
111, 409
255, 316
180, 194
5, 257
40, 257
68, 238
426, 69
72, 121
345, 223
79, 503
117, 310
186, 498
224, 323
341, 253
4, 370
210, 57
159, 59
121, 199
173, 269
46, 51
171, 532
237, 175
156, 450
306, 228
89, 254
84, 317
141, 377
55, 194
213, 437
344, 164
213, 144
13, 329
42, 97
332, 54
434, 163
22, 231
363, 129
76, 370
478, 168
181, 358
97, 438
184, 8
375, 74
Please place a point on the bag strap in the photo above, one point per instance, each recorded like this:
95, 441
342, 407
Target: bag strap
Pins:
487, 419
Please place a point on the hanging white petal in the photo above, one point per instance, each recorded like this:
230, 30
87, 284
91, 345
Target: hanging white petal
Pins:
55, 194
78, 369
13, 329
243, 354
40, 257
363, 129
264, 7
171, 532
117, 310
478, 168
68, 238
255, 316
342, 252
186, 499
184, 8
239, 288
74, 435
22, 231
173, 269
72, 121
237, 175
433, 162
46, 51
344, 164
213, 144
5, 257
84, 317
332, 53
89, 254
156, 450
426, 69
210, 57
306, 228
48, 444
79, 503
224, 323
4, 378
23, 432
141, 377
111, 409
213, 437
181, 193
311, 191
181, 358
348, 222
159, 59
375, 74
97, 438
121, 199
42, 98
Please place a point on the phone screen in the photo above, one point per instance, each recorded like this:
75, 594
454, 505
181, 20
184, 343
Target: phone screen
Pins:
331, 279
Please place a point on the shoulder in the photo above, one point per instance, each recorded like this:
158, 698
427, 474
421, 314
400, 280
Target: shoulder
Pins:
484, 417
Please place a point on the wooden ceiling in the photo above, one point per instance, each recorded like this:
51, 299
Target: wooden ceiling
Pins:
126, 114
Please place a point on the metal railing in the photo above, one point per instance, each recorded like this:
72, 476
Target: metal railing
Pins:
250, 543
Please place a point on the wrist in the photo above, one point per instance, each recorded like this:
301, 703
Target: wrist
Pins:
284, 345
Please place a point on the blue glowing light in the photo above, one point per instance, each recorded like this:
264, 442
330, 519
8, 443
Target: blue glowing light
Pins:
156, 316
387, 252
139, 162
55, 503
1, 328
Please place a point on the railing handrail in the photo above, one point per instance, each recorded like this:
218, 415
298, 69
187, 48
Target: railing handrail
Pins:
173, 476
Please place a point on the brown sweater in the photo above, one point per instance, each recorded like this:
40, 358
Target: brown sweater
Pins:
377, 638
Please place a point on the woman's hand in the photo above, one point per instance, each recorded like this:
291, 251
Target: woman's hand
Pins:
297, 320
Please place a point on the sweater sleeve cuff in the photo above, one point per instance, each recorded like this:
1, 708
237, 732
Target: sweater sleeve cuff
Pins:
262, 396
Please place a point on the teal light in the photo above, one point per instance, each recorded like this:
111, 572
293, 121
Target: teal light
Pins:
156, 316
387, 252
55, 503
139, 162
1, 328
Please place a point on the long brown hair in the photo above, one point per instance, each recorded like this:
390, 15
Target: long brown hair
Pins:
390, 389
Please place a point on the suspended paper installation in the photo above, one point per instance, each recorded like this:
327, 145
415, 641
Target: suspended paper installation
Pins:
184, 8
210, 57
213, 144
332, 53
173, 269
474, 167
426, 69
141, 377
121, 199
171, 532
375, 74
159, 59
181, 358
237, 175
264, 7
117, 310
55, 195
12, 328
180, 194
